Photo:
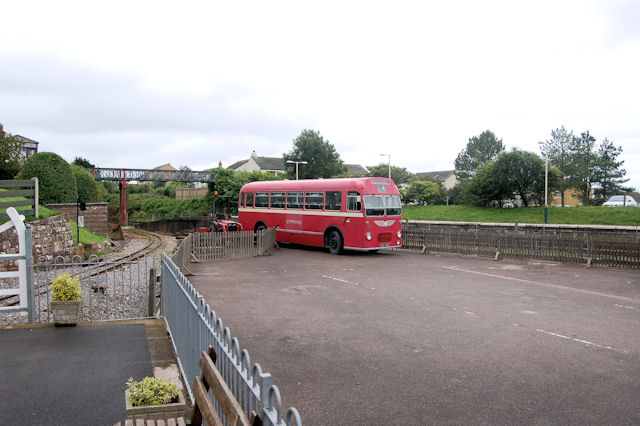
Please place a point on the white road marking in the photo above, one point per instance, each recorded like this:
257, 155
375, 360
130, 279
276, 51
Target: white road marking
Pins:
469, 313
586, 342
625, 306
556, 286
347, 282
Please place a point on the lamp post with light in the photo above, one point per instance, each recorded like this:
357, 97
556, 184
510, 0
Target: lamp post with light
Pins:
388, 155
296, 163
546, 179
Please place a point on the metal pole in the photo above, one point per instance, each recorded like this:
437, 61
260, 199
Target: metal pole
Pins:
77, 222
297, 170
546, 182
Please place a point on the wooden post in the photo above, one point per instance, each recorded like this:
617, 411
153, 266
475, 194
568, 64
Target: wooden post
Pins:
152, 293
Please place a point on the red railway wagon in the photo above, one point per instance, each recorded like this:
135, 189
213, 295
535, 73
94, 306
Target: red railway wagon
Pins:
354, 213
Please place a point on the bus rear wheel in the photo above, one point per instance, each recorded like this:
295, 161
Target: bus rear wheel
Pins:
334, 242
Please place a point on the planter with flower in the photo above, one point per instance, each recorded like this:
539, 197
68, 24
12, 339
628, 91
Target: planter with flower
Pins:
66, 301
153, 398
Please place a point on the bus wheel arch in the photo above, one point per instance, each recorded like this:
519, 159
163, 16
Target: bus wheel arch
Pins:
260, 226
333, 240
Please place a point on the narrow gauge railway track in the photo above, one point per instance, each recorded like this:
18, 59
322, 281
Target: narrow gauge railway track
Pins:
98, 267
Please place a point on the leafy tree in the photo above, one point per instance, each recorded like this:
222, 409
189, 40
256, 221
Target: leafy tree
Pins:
582, 163
55, 178
399, 175
488, 188
87, 188
608, 172
10, 155
82, 162
523, 174
560, 155
479, 150
423, 192
228, 184
321, 156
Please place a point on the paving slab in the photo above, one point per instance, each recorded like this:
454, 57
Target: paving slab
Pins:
69, 375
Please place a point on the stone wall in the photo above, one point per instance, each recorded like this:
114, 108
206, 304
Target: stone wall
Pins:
51, 237
95, 217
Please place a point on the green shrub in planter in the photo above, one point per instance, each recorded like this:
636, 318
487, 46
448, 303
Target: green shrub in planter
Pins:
151, 391
66, 288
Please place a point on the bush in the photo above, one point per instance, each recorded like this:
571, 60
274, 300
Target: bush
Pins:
66, 288
55, 178
87, 188
151, 391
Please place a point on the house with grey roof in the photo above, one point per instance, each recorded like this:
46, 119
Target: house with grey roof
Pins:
447, 177
275, 165
29, 146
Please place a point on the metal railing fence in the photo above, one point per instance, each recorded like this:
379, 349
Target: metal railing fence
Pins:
593, 247
111, 289
193, 327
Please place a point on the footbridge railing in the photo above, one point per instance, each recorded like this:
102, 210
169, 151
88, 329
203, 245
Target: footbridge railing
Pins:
193, 327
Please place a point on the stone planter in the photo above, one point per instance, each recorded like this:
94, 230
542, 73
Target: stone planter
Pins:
156, 412
67, 312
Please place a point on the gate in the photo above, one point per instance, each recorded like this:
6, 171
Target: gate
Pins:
24, 258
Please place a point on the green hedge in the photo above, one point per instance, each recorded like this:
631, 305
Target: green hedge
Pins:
55, 178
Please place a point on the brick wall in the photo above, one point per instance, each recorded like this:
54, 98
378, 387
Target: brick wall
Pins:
51, 237
95, 217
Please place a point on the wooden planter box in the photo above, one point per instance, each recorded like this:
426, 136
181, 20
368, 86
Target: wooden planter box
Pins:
67, 312
156, 412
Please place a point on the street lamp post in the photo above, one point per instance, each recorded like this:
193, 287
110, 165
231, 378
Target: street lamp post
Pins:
388, 155
546, 179
296, 163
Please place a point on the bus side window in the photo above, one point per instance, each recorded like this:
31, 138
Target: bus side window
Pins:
332, 200
241, 200
277, 200
294, 200
313, 200
249, 199
354, 202
262, 199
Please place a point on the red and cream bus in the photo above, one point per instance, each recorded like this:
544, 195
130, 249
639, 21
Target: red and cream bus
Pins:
356, 214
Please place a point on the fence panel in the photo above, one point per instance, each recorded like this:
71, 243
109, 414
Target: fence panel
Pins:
606, 248
194, 326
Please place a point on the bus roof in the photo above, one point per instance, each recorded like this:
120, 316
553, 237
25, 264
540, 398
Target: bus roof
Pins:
365, 185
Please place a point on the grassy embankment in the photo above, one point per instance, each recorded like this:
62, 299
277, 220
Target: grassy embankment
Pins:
629, 216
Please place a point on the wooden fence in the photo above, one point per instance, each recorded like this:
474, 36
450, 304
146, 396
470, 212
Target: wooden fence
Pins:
19, 188
589, 246
200, 246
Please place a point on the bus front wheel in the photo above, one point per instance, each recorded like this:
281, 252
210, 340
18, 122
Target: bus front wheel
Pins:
260, 227
334, 242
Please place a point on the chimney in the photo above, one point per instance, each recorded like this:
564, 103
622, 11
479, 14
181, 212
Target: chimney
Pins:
220, 164
253, 154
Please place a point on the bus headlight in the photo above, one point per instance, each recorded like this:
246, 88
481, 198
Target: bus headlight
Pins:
369, 236
399, 234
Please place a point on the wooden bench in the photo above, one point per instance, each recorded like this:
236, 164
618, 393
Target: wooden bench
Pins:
204, 408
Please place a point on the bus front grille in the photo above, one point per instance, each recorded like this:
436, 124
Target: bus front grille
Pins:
384, 237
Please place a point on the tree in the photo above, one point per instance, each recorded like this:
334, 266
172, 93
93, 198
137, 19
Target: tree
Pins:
608, 174
321, 156
399, 175
84, 163
559, 147
423, 192
582, 161
55, 178
10, 155
87, 188
523, 175
228, 184
479, 150
487, 188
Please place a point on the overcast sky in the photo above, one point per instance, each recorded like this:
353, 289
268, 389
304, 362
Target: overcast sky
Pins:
139, 84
